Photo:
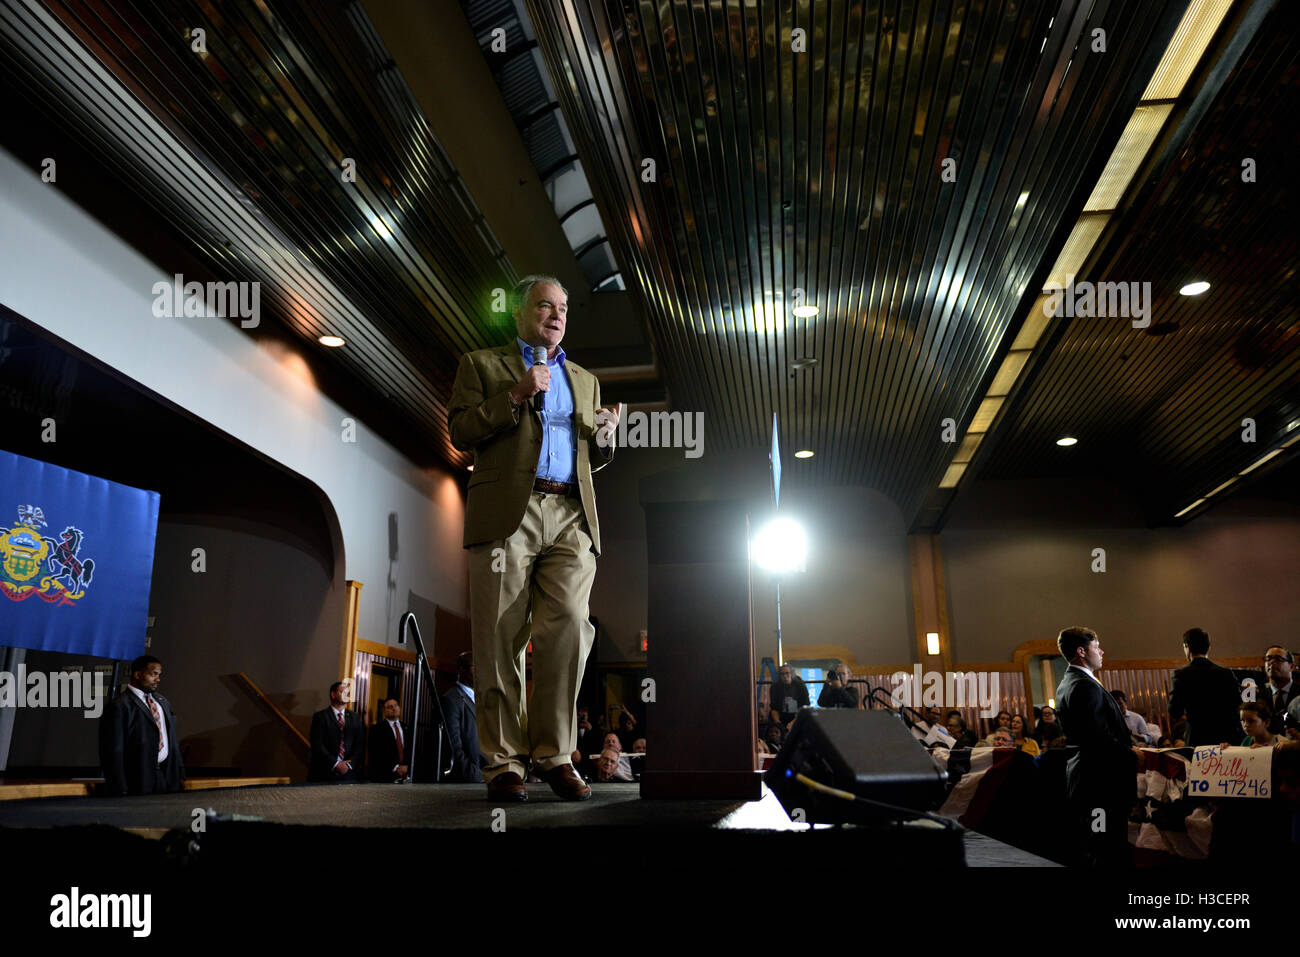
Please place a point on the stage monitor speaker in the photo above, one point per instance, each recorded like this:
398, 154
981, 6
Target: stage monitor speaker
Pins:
870, 754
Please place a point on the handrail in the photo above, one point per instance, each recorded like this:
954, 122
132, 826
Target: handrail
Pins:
257, 693
421, 667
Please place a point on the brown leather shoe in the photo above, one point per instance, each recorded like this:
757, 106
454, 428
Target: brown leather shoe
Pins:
507, 787
566, 783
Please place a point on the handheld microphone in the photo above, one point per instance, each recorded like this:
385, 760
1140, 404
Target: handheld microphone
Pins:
539, 359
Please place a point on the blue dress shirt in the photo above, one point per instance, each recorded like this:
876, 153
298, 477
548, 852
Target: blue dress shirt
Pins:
558, 460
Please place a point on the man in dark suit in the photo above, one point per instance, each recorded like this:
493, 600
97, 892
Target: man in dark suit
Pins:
1208, 694
386, 749
1101, 774
338, 742
462, 728
138, 748
1279, 692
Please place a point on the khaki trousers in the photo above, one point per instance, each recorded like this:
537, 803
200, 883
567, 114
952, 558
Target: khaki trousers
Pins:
534, 584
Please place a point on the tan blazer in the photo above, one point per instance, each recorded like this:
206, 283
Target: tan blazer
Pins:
506, 441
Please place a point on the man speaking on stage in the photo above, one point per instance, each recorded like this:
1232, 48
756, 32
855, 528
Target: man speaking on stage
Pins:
534, 422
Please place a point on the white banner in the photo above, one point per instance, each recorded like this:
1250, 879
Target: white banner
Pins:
1230, 772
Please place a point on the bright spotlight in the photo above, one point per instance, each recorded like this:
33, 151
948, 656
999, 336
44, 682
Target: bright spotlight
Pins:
780, 546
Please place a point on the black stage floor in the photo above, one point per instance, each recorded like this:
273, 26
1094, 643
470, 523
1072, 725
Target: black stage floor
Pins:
319, 862
465, 809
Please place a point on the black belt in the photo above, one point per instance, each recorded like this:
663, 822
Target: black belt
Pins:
555, 488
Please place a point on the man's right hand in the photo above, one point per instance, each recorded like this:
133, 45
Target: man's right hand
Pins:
536, 379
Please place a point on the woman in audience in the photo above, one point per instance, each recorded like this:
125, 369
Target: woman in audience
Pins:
1255, 718
1019, 733
1047, 730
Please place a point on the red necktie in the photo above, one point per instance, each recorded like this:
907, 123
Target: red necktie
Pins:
401, 747
157, 718
340, 735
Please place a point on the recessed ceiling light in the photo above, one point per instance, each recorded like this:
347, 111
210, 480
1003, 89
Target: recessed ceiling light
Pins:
804, 312
803, 362
332, 341
470, 467
1195, 288
804, 454
1067, 440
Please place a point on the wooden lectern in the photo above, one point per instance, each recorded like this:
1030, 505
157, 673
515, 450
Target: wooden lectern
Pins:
700, 653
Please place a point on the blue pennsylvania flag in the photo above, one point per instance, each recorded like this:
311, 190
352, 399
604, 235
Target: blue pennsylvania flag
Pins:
76, 560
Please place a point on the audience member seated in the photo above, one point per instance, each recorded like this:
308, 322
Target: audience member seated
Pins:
1165, 742
1047, 731
609, 767
627, 732
1142, 733
1002, 739
1178, 733
1003, 721
1255, 720
1023, 741
837, 693
591, 754
589, 737
638, 746
773, 737
956, 725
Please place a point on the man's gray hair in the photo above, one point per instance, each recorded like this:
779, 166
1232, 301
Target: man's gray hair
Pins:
519, 294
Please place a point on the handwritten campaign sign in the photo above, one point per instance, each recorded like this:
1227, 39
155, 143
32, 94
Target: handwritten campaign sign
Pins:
1230, 772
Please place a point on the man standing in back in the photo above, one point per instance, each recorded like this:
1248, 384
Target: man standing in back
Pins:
138, 749
386, 747
462, 727
1207, 693
1281, 691
338, 742
534, 422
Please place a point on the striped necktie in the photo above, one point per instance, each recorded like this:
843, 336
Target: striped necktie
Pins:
341, 753
157, 718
